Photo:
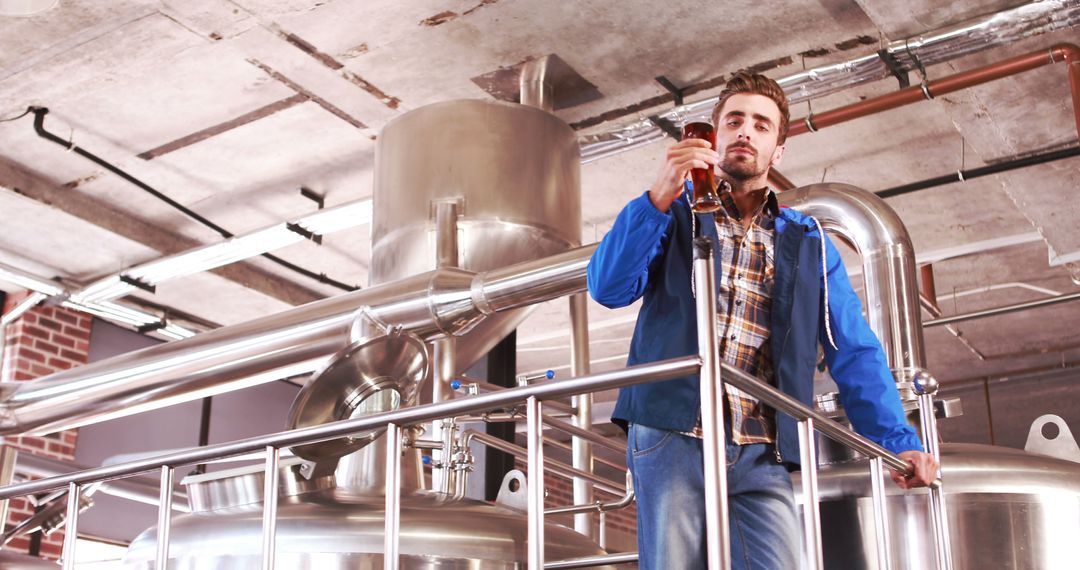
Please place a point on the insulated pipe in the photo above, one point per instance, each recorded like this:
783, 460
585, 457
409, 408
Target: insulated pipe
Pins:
876, 232
1067, 53
434, 304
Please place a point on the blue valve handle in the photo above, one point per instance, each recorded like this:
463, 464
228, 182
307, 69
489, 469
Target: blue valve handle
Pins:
455, 384
550, 374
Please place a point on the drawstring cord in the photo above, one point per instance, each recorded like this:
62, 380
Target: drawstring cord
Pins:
825, 276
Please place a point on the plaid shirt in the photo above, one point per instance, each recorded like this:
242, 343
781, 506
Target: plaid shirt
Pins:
744, 310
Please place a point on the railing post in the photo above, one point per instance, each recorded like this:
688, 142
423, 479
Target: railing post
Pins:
811, 514
165, 496
392, 530
881, 513
712, 412
71, 533
270, 504
535, 482
925, 387
582, 450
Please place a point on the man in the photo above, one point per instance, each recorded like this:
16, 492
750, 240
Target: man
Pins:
781, 288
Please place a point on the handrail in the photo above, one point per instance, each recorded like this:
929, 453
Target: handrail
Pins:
662, 370
792, 407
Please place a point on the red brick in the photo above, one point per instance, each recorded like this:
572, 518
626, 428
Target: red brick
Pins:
30, 354
69, 436
21, 544
40, 370
61, 340
21, 375
77, 332
60, 363
67, 317
49, 324
28, 318
35, 331
82, 346
76, 357
46, 346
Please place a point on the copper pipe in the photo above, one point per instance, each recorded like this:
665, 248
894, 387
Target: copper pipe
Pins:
1068, 53
926, 272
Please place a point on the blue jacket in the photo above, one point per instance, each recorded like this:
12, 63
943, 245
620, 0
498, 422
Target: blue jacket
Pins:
648, 253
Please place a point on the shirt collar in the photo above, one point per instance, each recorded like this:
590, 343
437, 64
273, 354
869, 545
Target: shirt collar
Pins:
771, 207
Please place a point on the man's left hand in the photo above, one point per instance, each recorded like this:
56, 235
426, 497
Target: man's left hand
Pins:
925, 470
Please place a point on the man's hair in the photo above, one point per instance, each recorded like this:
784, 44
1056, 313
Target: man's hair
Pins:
746, 82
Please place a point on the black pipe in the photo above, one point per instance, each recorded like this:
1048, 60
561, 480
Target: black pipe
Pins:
501, 371
962, 175
39, 128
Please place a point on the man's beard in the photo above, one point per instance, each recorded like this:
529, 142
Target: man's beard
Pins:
742, 169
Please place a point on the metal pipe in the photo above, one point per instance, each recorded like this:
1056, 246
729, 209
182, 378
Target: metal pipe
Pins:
392, 529
930, 48
881, 514
578, 432
13, 315
8, 456
534, 85
164, 517
593, 561
535, 480
582, 453
625, 501
39, 128
597, 458
1003, 310
712, 409
652, 372
554, 405
879, 236
965, 175
1063, 52
270, 504
71, 534
437, 303
443, 365
811, 513
555, 466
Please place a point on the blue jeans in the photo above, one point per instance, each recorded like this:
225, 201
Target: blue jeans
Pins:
669, 482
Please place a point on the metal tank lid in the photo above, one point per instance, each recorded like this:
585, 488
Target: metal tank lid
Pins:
966, 468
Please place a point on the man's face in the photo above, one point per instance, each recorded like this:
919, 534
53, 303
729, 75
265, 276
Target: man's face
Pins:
747, 131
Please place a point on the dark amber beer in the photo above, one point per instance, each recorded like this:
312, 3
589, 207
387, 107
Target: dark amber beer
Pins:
705, 199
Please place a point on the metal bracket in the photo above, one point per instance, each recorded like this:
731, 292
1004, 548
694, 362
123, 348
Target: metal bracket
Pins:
895, 68
298, 229
313, 196
138, 283
1062, 446
670, 87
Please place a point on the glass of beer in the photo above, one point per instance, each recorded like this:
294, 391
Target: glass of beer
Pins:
705, 199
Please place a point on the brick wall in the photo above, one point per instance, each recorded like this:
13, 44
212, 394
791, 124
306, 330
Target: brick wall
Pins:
43, 341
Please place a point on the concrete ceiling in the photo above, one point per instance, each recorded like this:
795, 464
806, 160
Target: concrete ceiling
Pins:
229, 107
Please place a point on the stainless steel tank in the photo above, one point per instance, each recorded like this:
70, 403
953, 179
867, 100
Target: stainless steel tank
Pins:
1008, 510
325, 527
513, 172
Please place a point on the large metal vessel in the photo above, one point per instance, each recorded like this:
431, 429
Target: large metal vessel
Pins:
326, 526
1008, 509
498, 183
512, 174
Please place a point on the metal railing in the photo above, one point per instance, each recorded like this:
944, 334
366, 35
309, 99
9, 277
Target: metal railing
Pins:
707, 364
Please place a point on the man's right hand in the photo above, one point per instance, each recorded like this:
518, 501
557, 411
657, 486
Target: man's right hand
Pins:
681, 158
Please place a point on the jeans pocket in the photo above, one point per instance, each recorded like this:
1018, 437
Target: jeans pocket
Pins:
647, 440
